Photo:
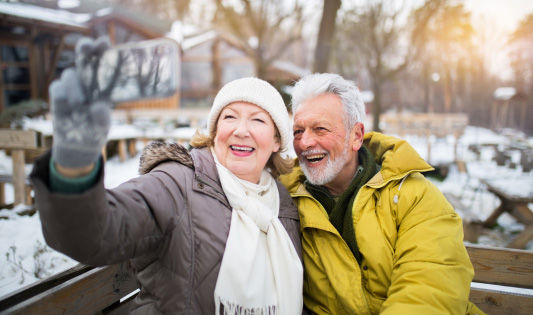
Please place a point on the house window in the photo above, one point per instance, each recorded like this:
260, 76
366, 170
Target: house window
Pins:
15, 77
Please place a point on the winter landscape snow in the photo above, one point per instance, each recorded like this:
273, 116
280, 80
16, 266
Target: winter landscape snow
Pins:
25, 257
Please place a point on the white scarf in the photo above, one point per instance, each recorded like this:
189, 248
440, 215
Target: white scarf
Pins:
260, 272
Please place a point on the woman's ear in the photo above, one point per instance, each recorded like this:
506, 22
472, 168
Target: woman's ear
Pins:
277, 144
357, 134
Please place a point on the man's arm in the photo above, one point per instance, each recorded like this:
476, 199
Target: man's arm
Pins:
432, 271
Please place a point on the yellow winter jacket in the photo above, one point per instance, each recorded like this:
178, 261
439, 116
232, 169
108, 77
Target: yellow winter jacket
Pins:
411, 240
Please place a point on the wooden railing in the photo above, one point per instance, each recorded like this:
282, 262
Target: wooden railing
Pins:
111, 289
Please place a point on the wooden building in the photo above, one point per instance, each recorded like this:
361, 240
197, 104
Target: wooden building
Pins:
37, 43
509, 109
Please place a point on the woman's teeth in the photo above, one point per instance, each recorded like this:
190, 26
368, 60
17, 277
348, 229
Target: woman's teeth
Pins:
239, 148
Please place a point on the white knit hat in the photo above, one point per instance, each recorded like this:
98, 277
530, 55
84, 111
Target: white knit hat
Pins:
257, 92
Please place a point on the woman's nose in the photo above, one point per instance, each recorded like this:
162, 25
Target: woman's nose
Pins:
241, 129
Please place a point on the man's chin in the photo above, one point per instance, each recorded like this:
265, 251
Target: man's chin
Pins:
315, 175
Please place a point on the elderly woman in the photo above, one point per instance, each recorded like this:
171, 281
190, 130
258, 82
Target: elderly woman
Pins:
206, 231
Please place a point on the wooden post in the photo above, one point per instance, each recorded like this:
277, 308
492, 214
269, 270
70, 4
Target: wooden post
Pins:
122, 150
17, 156
27, 194
18, 141
2, 194
104, 152
523, 238
132, 147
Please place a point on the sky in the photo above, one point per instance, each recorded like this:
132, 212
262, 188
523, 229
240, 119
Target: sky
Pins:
506, 13
495, 20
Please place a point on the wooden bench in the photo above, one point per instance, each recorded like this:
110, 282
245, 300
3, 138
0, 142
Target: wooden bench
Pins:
110, 290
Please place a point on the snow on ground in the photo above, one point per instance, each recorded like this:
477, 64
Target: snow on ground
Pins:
25, 258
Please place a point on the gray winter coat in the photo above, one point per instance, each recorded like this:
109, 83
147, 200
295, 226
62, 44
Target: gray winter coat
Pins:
172, 223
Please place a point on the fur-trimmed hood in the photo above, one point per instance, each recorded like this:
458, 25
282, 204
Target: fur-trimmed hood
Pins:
158, 151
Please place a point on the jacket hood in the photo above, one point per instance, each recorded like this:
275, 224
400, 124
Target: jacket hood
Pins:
396, 157
158, 152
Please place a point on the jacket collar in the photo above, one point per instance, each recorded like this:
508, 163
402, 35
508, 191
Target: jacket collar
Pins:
206, 179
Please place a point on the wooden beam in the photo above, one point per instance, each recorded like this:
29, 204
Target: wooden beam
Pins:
2, 91
33, 66
495, 302
43, 26
19, 139
111, 32
55, 59
510, 267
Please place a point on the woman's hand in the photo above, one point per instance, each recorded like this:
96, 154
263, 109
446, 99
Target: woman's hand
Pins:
80, 126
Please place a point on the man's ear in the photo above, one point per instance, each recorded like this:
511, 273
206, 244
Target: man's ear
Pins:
357, 134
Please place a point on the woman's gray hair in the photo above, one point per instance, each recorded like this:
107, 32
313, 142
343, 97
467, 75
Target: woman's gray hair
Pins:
319, 83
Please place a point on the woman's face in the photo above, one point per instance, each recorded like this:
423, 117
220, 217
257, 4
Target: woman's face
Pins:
244, 140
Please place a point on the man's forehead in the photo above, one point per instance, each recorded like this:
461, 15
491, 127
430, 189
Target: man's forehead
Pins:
324, 105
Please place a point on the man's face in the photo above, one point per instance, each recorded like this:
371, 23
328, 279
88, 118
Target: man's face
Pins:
320, 139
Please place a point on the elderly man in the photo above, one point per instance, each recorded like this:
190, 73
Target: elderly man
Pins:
377, 236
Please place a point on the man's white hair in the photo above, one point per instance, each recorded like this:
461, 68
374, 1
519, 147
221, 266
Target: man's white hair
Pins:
319, 83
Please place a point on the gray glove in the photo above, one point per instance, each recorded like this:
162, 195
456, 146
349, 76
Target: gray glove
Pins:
81, 119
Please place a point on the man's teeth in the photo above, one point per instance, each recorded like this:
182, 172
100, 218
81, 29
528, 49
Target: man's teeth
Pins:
238, 148
315, 157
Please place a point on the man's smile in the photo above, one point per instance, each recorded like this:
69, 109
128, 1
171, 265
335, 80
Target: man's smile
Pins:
313, 157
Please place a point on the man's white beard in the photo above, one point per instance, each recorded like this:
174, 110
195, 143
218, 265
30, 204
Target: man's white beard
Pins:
324, 175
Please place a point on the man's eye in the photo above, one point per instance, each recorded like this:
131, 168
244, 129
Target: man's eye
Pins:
297, 132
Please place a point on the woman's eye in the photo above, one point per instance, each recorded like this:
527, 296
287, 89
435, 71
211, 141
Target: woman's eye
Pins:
228, 116
259, 120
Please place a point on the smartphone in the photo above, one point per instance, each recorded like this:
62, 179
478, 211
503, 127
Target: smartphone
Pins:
132, 71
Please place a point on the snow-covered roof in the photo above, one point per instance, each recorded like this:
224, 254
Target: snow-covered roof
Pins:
193, 41
504, 93
290, 67
28, 11
180, 30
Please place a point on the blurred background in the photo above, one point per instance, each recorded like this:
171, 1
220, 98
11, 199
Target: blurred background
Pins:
453, 78
444, 56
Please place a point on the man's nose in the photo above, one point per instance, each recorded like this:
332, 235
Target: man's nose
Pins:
307, 140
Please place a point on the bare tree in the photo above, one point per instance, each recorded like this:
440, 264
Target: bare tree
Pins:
264, 29
450, 34
375, 30
521, 55
326, 35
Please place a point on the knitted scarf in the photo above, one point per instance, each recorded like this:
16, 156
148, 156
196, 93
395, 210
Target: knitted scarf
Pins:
260, 273
340, 208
